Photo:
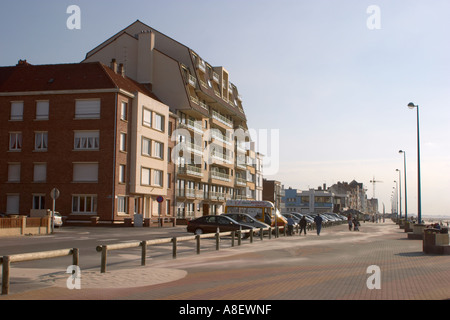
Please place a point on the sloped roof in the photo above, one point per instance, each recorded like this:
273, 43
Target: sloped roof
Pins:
25, 77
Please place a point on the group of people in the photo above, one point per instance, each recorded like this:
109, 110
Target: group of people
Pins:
302, 224
353, 223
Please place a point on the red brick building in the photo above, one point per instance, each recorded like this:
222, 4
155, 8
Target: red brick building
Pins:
74, 127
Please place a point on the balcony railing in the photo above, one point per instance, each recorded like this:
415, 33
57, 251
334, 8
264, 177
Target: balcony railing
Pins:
220, 176
222, 119
190, 170
218, 136
221, 157
216, 77
192, 81
241, 182
194, 148
193, 125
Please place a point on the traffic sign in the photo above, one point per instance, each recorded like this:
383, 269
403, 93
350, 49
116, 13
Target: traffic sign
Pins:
54, 194
160, 199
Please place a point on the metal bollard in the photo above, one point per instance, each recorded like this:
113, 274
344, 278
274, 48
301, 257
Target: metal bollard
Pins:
197, 238
5, 274
104, 256
174, 247
143, 252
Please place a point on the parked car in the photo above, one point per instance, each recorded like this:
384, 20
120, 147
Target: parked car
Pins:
300, 215
246, 219
294, 218
209, 224
57, 219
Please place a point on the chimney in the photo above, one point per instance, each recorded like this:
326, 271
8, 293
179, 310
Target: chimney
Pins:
122, 70
114, 65
325, 187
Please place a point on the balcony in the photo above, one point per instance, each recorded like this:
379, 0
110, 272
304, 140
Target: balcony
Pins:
191, 147
192, 81
221, 157
222, 119
220, 176
241, 182
190, 170
215, 134
201, 65
192, 125
216, 77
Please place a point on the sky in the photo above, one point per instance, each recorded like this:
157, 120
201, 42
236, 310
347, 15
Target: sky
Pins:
329, 80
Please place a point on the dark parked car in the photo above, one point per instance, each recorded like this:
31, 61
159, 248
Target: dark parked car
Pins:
209, 224
246, 219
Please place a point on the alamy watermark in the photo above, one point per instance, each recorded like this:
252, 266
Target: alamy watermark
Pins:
74, 20
374, 281
374, 20
74, 280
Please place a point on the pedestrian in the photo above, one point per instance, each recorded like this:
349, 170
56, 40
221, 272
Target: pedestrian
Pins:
290, 225
318, 220
349, 219
356, 224
302, 224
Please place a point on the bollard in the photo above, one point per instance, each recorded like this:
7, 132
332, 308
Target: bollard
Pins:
143, 252
251, 236
103, 262
197, 238
270, 233
239, 233
174, 247
217, 241
261, 234
5, 274
75, 256
233, 235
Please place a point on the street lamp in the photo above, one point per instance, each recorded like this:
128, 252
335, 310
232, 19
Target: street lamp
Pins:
396, 197
419, 200
400, 190
406, 195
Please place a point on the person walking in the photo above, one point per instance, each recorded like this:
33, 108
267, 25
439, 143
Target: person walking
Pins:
290, 225
349, 219
302, 224
318, 220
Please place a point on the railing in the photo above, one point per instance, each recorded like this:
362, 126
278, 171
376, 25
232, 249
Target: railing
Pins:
220, 176
7, 260
222, 119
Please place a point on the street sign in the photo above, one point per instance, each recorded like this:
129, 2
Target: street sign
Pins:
54, 194
160, 199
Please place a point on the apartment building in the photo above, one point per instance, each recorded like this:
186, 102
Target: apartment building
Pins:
97, 136
211, 137
317, 200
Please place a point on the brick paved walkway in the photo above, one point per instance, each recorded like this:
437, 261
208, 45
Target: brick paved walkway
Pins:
330, 266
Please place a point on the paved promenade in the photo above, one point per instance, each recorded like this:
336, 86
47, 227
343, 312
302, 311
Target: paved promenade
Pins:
332, 266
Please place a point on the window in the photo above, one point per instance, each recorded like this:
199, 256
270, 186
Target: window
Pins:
124, 111
168, 207
14, 172
146, 147
145, 176
40, 141
85, 172
16, 111
158, 178
15, 141
12, 204
38, 201
170, 128
169, 180
87, 109
122, 206
158, 150
40, 172
123, 142
147, 118
159, 122
42, 110
122, 171
84, 204
86, 140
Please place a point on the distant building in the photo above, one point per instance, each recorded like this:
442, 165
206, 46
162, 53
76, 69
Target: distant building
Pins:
272, 191
308, 201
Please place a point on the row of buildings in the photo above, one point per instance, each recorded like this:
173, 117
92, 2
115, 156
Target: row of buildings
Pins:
143, 125
340, 197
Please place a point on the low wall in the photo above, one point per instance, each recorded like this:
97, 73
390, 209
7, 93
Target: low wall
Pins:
22, 225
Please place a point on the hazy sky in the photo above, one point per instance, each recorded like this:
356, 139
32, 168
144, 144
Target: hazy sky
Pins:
336, 89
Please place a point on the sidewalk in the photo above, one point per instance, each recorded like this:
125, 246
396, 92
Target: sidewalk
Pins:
330, 266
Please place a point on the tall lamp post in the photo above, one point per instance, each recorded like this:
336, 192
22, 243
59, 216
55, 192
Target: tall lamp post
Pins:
404, 173
419, 200
400, 190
